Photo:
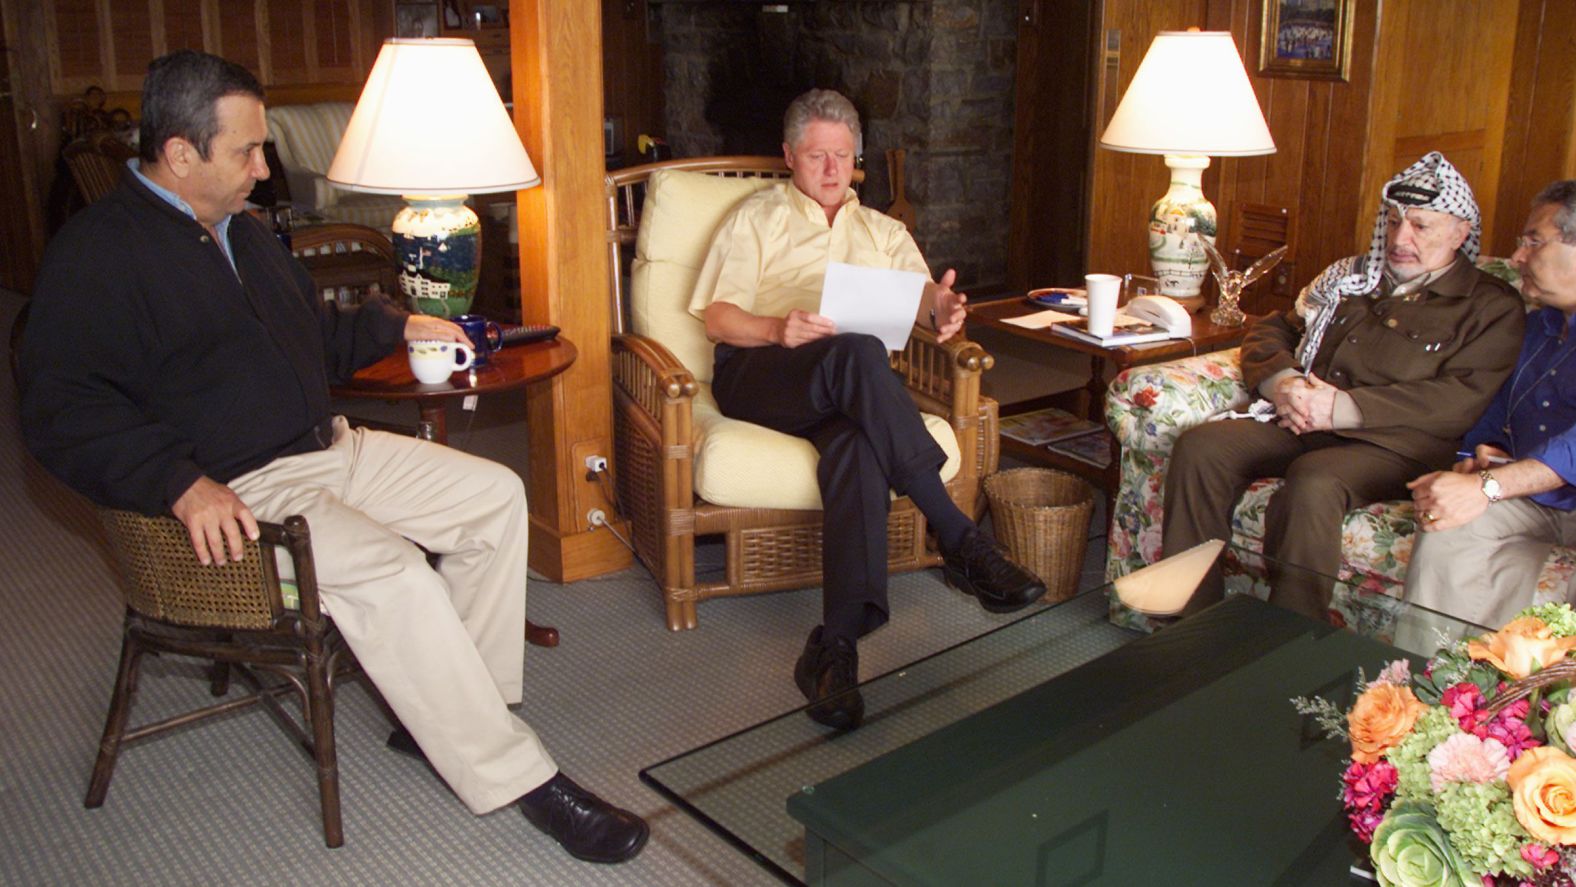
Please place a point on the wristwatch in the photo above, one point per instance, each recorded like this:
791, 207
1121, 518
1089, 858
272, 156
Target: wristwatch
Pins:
1490, 487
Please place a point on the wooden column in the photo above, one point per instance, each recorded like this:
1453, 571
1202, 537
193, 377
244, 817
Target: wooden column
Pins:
556, 53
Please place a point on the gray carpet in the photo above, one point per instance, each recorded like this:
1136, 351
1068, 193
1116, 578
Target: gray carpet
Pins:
233, 802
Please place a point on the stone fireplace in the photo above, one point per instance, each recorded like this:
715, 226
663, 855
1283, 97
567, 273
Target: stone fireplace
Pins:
933, 77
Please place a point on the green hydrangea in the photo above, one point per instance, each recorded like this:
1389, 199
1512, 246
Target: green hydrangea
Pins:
1410, 757
1482, 824
1560, 618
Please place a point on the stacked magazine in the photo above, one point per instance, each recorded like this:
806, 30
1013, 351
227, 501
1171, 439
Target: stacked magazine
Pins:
1060, 432
1127, 332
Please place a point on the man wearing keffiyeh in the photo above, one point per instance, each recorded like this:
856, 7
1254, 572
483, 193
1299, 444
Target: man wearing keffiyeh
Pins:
1385, 360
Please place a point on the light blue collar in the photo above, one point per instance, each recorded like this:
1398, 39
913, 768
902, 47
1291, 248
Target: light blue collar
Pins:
222, 229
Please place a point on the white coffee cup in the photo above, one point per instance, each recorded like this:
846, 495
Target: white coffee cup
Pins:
432, 361
1103, 290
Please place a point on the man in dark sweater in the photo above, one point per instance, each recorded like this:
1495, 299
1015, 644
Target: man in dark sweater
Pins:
177, 361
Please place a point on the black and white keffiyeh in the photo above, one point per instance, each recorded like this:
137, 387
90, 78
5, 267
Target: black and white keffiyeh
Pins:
1430, 183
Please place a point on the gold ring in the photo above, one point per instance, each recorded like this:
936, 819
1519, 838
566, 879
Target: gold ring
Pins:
1429, 516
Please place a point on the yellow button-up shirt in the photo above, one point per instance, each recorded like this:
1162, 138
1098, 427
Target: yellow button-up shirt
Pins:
769, 255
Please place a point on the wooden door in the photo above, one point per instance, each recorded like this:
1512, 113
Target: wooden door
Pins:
22, 223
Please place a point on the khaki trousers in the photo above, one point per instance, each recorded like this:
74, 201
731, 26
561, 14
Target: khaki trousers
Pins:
1325, 475
446, 648
1487, 570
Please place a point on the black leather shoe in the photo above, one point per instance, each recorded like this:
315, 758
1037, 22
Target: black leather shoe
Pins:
401, 741
828, 676
588, 827
981, 568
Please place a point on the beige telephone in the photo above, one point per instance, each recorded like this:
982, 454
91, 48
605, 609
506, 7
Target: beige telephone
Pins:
1165, 313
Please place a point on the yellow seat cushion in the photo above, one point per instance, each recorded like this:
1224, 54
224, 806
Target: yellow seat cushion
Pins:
744, 465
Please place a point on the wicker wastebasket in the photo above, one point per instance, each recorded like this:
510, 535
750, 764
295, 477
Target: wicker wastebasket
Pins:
1041, 516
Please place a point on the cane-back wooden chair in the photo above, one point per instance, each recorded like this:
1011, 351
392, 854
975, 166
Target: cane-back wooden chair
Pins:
657, 434
242, 617
96, 162
347, 261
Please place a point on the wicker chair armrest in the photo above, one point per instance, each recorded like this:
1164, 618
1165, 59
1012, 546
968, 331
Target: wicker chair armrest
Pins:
943, 377
651, 376
1148, 407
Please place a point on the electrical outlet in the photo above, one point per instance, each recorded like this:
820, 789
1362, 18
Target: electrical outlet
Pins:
596, 464
596, 517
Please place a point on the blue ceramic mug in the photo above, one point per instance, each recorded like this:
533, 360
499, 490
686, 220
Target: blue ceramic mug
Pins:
483, 333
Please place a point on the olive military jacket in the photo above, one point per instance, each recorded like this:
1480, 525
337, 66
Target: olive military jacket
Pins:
1421, 368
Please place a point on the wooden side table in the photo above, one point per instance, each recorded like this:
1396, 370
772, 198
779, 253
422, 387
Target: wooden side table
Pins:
507, 369
1103, 363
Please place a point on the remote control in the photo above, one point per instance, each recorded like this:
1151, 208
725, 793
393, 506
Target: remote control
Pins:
531, 332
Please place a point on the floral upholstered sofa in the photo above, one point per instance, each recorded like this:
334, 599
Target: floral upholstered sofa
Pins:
1148, 406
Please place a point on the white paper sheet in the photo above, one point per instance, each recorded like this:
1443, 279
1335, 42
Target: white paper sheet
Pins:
879, 301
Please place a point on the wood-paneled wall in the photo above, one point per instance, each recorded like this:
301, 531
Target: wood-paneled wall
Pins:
1456, 107
1491, 83
1540, 132
108, 43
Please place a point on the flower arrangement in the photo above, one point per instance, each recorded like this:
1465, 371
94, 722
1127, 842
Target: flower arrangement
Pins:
1465, 774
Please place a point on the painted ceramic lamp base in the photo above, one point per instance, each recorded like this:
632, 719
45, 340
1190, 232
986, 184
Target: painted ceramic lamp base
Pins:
439, 246
1176, 223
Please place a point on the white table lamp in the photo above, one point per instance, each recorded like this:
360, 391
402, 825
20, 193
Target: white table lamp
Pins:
430, 126
1189, 100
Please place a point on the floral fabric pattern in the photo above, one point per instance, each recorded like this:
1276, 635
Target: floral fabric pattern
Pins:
1147, 407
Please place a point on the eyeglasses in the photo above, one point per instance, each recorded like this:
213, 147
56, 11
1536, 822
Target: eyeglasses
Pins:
1533, 244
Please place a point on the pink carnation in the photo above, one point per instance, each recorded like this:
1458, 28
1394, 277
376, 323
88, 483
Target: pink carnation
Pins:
1509, 727
1368, 789
1465, 703
1467, 758
1539, 856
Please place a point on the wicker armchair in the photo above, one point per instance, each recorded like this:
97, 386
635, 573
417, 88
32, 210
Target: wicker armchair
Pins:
239, 616
767, 549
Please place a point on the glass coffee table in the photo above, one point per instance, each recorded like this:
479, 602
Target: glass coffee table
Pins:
1061, 749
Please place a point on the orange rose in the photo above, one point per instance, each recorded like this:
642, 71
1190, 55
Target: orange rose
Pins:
1543, 790
1521, 648
1383, 715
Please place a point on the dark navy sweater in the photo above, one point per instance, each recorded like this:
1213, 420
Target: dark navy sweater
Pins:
148, 361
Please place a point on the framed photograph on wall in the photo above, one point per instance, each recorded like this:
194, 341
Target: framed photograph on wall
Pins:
416, 19
1309, 39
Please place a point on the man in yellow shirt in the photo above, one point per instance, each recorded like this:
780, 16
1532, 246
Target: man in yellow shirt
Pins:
780, 364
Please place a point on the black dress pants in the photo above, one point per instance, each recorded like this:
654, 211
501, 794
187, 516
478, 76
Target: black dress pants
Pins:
840, 394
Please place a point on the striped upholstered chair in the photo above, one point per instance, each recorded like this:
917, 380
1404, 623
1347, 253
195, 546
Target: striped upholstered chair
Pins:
306, 137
